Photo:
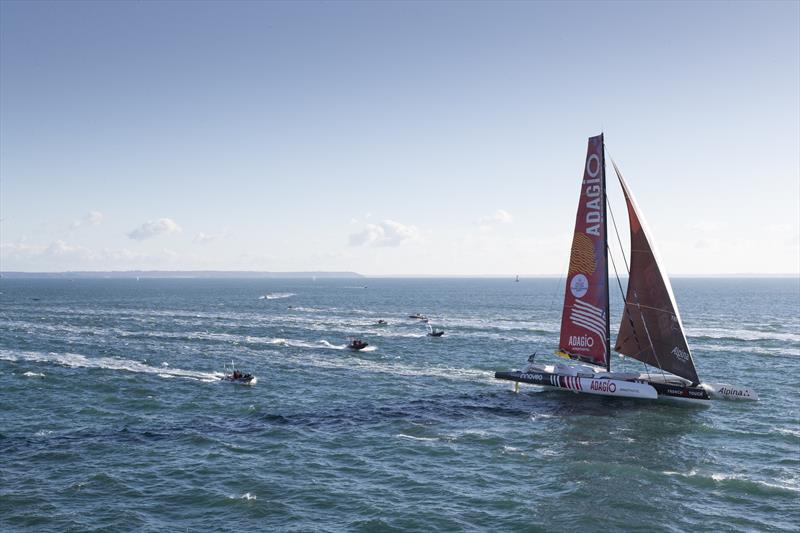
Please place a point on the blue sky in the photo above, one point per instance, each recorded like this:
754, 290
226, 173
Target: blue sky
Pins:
393, 138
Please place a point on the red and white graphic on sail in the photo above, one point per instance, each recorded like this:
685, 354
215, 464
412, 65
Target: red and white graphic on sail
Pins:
583, 322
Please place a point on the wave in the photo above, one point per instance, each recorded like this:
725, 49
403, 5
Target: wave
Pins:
411, 437
72, 360
736, 481
760, 350
246, 496
787, 431
276, 295
742, 334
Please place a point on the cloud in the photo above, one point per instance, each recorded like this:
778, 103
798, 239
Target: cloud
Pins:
20, 249
204, 238
501, 216
152, 228
60, 255
92, 218
60, 249
387, 233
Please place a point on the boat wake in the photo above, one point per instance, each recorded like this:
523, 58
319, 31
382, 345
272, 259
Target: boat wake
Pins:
72, 360
276, 295
371, 365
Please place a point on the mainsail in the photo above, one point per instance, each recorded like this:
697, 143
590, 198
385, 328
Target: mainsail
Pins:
584, 323
651, 329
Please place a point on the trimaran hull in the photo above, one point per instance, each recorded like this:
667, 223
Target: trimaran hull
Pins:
630, 387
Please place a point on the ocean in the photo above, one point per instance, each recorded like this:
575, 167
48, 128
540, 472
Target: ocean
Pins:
113, 416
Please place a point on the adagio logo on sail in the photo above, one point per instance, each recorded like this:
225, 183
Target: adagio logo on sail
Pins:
582, 341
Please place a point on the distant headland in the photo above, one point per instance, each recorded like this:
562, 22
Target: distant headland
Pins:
213, 274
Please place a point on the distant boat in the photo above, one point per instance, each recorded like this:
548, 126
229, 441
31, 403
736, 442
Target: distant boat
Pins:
651, 329
433, 332
237, 376
418, 316
517, 280
354, 343
381, 322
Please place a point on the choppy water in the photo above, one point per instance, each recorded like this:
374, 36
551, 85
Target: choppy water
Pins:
112, 415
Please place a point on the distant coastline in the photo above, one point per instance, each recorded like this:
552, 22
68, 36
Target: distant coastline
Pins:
250, 274
171, 274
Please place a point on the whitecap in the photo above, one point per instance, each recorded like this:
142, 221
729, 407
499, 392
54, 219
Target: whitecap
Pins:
411, 437
742, 334
278, 295
787, 431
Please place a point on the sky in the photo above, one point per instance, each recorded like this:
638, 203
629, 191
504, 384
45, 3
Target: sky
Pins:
409, 138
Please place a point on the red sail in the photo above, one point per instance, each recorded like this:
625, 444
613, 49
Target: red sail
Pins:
584, 321
651, 329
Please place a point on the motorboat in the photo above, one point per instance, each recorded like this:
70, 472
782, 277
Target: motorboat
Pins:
356, 344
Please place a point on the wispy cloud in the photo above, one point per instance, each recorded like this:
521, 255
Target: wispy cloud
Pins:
501, 216
62, 255
204, 238
152, 228
92, 218
387, 233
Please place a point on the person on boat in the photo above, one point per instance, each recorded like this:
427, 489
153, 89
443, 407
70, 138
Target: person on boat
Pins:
531, 367
237, 374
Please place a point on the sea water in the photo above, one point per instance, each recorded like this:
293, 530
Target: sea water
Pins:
113, 417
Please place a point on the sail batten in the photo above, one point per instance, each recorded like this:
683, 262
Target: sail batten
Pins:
651, 329
584, 322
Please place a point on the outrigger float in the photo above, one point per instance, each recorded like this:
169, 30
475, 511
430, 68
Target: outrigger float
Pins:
651, 329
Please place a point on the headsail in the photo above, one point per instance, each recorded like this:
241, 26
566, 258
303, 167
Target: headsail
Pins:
584, 330
651, 329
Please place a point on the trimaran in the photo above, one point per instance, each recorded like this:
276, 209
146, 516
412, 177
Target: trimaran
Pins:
650, 331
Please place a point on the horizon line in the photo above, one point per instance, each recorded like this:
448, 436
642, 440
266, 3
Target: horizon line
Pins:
339, 273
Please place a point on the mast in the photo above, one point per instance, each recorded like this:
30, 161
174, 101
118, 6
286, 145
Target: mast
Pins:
605, 248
